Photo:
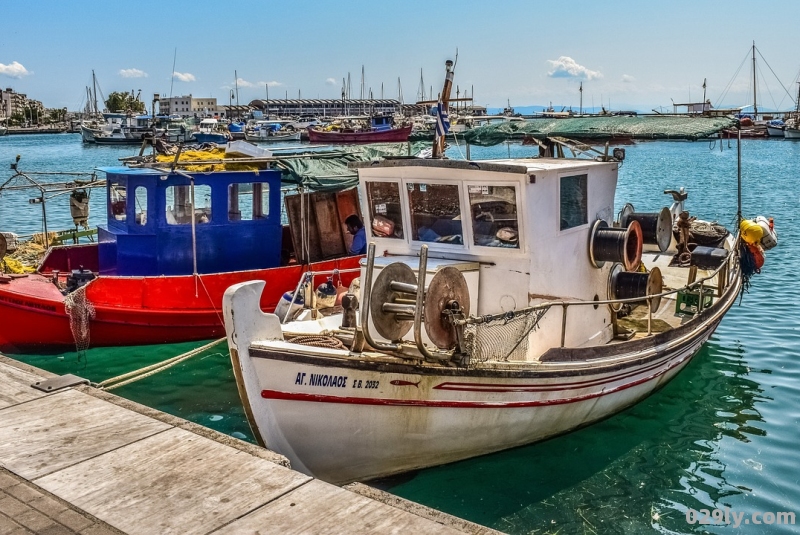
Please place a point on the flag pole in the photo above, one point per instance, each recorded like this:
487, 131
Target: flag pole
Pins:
438, 145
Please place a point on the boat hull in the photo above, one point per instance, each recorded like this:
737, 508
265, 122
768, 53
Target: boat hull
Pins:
385, 136
791, 133
345, 419
137, 310
272, 138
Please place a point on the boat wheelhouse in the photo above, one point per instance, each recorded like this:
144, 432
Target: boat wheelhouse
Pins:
152, 215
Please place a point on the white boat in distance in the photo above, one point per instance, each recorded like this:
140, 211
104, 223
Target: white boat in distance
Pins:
506, 306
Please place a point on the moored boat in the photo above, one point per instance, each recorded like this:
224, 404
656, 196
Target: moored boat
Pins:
381, 129
172, 243
211, 131
505, 305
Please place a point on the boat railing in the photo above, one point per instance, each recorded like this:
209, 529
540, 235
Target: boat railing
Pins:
725, 272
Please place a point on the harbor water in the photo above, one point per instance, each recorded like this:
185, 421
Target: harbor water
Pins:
721, 436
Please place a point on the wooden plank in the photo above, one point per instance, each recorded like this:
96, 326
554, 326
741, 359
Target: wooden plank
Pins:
330, 230
59, 430
347, 205
321, 508
293, 213
174, 482
15, 387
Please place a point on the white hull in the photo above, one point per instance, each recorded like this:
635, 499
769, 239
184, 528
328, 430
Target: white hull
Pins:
249, 136
774, 131
332, 426
791, 133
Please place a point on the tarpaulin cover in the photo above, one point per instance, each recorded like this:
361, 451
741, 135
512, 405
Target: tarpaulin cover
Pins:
600, 128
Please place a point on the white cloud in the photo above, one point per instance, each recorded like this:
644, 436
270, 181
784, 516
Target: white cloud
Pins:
183, 76
331, 81
566, 67
14, 70
627, 78
132, 73
241, 82
271, 84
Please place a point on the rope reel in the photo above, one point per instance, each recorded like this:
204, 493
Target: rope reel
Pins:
628, 285
393, 303
612, 244
656, 226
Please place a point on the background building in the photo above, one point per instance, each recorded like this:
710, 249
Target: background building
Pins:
189, 106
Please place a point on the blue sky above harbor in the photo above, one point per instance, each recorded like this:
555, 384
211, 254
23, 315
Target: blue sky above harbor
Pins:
628, 54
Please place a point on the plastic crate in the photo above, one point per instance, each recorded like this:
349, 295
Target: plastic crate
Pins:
688, 300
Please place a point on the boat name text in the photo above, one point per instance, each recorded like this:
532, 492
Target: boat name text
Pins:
334, 381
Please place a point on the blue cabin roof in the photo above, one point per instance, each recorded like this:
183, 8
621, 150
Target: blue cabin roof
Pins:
148, 232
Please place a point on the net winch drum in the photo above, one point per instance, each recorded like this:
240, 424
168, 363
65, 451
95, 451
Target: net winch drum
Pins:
708, 257
612, 244
656, 227
628, 285
393, 303
448, 290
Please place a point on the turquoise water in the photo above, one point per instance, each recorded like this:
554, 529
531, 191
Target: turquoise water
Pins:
724, 433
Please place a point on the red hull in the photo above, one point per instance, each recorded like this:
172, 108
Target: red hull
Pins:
386, 136
139, 310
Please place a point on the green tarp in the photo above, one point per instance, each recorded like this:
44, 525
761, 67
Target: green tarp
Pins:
600, 128
328, 170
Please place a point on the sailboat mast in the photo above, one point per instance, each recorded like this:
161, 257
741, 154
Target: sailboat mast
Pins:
755, 105
94, 93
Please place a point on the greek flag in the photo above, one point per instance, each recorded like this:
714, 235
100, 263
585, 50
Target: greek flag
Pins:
442, 120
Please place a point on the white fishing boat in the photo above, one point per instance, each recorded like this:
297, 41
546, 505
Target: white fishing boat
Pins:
500, 303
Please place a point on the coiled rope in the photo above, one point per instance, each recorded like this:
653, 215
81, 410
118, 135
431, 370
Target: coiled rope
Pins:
130, 377
317, 340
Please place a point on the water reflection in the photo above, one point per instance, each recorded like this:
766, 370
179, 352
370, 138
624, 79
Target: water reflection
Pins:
638, 470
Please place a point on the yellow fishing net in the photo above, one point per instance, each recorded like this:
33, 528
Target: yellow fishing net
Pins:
209, 155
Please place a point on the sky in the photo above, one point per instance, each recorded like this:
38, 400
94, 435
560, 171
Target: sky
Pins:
629, 55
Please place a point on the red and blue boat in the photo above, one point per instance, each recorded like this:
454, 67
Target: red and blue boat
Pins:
172, 244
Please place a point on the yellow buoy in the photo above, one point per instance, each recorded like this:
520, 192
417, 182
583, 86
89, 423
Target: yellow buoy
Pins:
751, 231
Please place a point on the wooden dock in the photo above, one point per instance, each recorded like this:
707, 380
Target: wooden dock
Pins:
97, 463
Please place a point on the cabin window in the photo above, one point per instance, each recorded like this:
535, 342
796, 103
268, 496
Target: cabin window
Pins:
140, 210
384, 209
494, 216
119, 201
247, 202
179, 205
573, 202
435, 213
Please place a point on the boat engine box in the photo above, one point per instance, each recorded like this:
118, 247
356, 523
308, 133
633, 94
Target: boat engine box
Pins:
688, 301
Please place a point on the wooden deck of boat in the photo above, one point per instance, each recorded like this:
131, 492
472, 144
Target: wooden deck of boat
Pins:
119, 467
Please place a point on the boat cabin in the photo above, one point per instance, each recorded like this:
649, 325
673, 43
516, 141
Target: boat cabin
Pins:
382, 122
517, 230
149, 230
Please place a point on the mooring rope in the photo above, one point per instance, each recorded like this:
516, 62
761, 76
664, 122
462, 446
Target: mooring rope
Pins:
130, 377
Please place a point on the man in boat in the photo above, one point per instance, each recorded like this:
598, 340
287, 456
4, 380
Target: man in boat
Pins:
356, 227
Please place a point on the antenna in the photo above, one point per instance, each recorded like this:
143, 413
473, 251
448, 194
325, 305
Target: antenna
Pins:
172, 80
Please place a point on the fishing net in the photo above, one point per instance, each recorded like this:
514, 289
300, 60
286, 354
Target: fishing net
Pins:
80, 312
501, 338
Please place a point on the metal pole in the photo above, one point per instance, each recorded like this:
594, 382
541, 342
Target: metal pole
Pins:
739, 176
46, 240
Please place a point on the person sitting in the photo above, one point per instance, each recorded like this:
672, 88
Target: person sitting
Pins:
356, 228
